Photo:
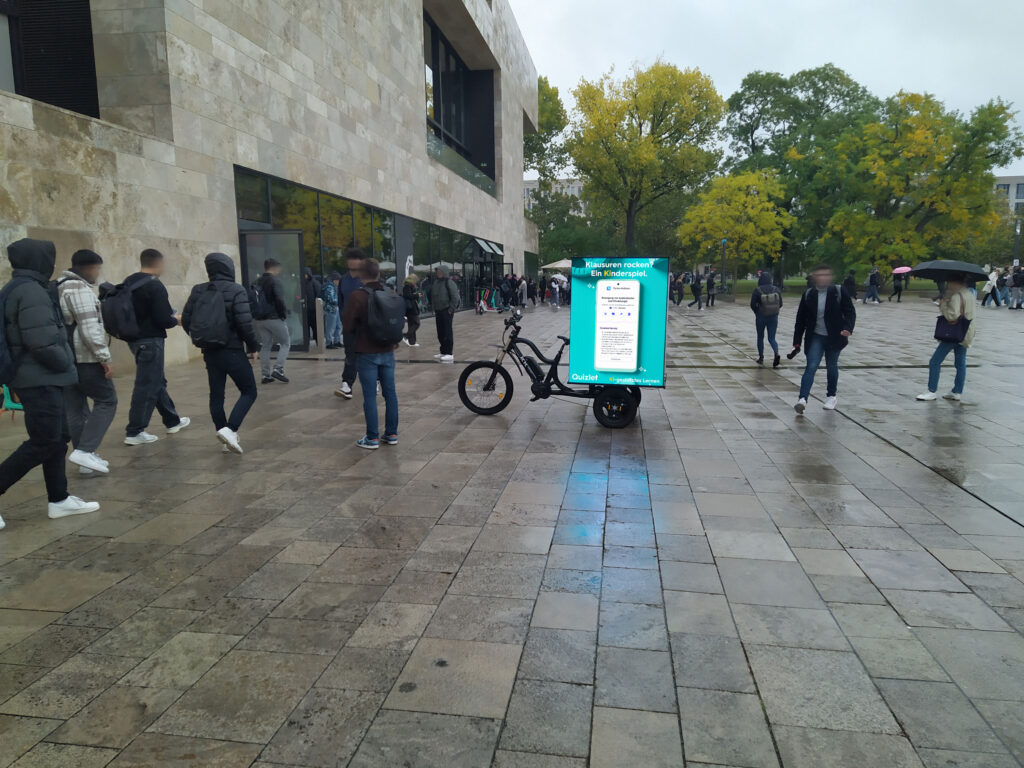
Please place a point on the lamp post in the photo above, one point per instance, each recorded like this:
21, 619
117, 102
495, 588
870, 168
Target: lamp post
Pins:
722, 278
1016, 245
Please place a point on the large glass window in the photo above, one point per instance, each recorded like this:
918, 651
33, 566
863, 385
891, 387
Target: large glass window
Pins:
6, 57
459, 110
251, 197
295, 207
1004, 188
363, 221
1020, 191
335, 232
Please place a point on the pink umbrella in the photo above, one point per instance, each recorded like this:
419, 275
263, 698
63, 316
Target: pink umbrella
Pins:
902, 270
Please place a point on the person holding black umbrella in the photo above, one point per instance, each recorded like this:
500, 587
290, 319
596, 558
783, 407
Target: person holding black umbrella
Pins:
954, 331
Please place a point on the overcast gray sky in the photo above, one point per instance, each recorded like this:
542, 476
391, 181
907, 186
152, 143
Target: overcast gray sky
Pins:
963, 51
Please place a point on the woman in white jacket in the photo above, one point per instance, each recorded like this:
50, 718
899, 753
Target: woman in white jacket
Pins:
957, 302
991, 290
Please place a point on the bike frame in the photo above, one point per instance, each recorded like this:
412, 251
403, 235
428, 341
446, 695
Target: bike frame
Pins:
558, 387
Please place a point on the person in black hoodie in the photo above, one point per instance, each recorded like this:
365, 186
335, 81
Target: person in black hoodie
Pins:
824, 322
849, 284
229, 359
311, 291
155, 316
38, 341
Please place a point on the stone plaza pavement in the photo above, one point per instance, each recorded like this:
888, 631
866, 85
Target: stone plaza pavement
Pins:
722, 584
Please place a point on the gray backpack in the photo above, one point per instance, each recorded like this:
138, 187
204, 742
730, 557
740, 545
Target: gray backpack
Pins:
771, 303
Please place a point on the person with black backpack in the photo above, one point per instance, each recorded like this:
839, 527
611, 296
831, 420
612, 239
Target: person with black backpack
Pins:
376, 315
152, 318
36, 362
766, 301
270, 313
218, 319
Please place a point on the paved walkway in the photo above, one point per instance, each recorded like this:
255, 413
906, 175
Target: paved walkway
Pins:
720, 585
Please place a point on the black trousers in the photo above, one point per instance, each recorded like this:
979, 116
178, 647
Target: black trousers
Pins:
348, 373
414, 325
221, 364
47, 442
898, 293
445, 335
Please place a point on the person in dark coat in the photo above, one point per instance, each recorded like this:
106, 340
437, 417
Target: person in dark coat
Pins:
695, 289
411, 294
897, 288
824, 323
38, 342
765, 302
229, 359
849, 284
710, 301
311, 291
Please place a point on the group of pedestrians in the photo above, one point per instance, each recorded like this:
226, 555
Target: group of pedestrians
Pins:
703, 288
1005, 287
825, 320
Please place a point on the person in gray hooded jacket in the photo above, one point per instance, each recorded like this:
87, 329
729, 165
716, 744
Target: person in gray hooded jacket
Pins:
444, 300
38, 341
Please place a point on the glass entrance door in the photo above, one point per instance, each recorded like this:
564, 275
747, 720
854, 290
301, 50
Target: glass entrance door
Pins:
284, 246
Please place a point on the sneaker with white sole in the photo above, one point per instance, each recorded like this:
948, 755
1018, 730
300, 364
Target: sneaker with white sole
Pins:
85, 472
368, 444
801, 406
229, 437
438, 356
391, 439
88, 461
447, 358
345, 390
406, 342
927, 396
140, 439
954, 396
830, 403
72, 505
183, 422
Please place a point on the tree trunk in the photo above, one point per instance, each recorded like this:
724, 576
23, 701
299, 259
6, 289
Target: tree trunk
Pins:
630, 227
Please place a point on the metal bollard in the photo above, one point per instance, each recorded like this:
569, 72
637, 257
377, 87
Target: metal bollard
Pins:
321, 345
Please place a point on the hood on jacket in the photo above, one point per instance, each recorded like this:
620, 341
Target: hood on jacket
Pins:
764, 279
33, 255
335, 276
307, 273
219, 266
444, 271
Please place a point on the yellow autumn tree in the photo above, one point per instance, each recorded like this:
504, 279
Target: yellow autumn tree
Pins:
744, 209
637, 140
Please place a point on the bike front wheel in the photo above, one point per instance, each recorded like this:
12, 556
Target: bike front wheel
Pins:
485, 388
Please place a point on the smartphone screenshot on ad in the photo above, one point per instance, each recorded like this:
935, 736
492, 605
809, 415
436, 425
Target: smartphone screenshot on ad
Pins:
617, 343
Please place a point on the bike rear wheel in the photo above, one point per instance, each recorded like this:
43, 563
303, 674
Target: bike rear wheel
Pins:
614, 407
485, 388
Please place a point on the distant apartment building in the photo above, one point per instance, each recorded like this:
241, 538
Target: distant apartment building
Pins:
1013, 188
531, 188
268, 128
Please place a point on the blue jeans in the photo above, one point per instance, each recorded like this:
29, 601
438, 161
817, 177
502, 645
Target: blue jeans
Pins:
373, 368
817, 348
768, 323
871, 294
959, 360
332, 326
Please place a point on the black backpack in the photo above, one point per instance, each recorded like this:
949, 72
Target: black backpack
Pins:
258, 302
118, 309
208, 326
385, 316
8, 365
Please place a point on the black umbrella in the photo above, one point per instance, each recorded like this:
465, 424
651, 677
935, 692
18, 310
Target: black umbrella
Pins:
943, 269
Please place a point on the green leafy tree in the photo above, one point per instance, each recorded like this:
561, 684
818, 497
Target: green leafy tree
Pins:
917, 180
746, 210
651, 135
544, 151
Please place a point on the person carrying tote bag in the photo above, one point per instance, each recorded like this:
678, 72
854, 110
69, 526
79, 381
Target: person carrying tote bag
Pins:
954, 330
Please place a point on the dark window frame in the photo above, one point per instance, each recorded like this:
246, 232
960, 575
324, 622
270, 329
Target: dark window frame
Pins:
448, 120
9, 8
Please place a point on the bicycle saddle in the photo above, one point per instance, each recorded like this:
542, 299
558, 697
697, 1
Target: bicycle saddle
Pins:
564, 338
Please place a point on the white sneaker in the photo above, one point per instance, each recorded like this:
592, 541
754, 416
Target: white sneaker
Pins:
927, 396
72, 505
88, 461
345, 390
2, 524
406, 342
415, 345
951, 396
447, 358
141, 439
830, 403
801, 406
183, 422
438, 356
230, 439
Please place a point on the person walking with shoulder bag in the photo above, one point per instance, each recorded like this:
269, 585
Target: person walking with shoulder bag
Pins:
954, 331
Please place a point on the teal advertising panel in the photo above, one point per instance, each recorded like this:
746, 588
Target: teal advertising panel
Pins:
617, 321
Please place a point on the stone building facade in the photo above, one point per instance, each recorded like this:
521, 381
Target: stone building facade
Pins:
323, 94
